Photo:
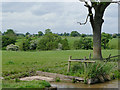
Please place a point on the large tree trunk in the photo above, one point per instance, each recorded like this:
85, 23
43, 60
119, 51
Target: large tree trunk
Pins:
97, 39
96, 23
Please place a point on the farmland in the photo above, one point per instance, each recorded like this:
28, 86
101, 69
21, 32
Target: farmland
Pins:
50, 61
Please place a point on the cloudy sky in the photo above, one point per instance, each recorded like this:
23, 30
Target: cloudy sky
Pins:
58, 16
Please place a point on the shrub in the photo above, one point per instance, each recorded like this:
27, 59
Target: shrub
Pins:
65, 45
25, 45
7, 41
105, 38
49, 42
94, 69
74, 34
59, 46
33, 45
83, 43
12, 47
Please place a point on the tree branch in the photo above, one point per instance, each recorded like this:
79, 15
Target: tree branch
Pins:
85, 21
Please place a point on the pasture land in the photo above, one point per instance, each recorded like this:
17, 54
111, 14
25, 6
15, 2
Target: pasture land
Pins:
17, 64
20, 62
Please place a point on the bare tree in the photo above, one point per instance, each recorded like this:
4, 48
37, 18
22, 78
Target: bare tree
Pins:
96, 21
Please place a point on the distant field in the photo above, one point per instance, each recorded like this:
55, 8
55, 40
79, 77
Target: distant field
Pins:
50, 61
114, 43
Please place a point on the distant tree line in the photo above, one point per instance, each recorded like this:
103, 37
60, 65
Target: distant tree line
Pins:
50, 41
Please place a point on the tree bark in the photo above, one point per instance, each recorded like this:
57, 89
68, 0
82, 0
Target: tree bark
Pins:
96, 23
97, 38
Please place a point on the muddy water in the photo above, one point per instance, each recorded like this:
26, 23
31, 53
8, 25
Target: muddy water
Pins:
108, 84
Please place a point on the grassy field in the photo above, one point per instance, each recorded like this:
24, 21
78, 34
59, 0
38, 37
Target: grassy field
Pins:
15, 63
114, 43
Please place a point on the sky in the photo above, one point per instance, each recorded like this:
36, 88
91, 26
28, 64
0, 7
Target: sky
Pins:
60, 17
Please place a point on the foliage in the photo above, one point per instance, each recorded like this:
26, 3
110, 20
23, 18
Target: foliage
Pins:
94, 69
114, 35
74, 34
105, 40
7, 41
66, 34
48, 31
27, 34
65, 45
83, 43
12, 47
33, 45
59, 46
25, 45
40, 33
10, 33
49, 42
83, 35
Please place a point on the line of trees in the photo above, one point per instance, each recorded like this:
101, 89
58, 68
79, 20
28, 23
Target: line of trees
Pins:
50, 41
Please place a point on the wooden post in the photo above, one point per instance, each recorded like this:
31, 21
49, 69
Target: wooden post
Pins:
85, 64
69, 62
70, 57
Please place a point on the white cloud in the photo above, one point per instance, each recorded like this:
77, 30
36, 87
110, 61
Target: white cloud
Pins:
60, 17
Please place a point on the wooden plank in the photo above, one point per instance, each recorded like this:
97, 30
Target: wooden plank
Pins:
112, 56
88, 61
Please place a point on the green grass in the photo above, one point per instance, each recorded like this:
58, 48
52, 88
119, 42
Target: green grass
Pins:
17, 64
51, 61
114, 43
24, 84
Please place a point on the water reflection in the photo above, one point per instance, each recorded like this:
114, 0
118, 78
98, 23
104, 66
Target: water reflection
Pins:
108, 84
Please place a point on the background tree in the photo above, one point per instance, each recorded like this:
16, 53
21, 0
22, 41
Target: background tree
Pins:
83, 35
48, 31
27, 34
83, 43
65, 45
40, 33
96, 21
74, 34
105, 40
49, 42
66, 34
7, 40
114, 35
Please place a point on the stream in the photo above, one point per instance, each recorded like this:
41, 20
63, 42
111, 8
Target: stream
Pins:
107, 84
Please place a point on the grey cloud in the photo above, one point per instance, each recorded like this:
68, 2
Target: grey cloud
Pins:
60, 17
